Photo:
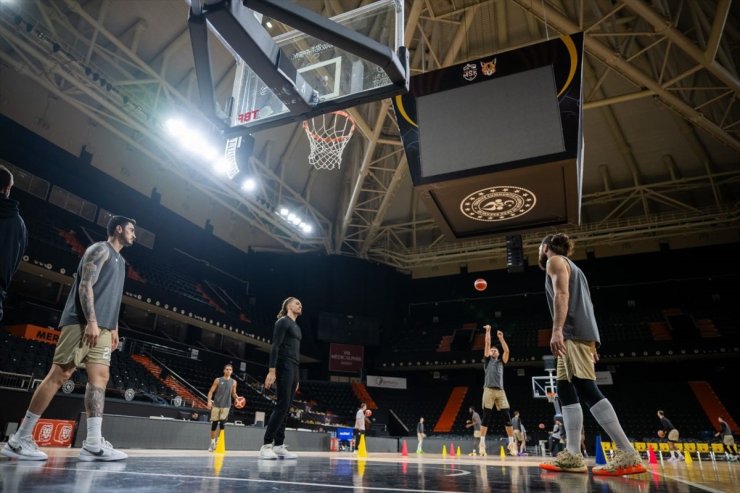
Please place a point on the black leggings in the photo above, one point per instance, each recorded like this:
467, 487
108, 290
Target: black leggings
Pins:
287, 381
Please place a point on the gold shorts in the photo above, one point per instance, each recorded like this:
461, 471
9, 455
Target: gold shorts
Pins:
476, 434
728, 440
494, 397
673, 435
518, 435
71, 350
578, 361
219, 413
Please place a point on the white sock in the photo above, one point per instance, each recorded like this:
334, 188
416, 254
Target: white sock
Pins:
28, 424
604, 414
93, 429
573, 422
511, 439
483, 441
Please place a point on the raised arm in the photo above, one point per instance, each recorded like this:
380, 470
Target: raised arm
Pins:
92, 263
487, 346
504, 346
557, 269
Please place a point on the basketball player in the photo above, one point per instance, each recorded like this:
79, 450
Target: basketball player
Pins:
475, 423
359, 424
493, 390
727, 439
671, 432
575, 337
89, 326
420, 435
225, 389
283, 369
516, 425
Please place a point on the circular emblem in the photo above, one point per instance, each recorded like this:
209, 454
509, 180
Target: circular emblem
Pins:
68, 387
129, 394
177, 401
498, 203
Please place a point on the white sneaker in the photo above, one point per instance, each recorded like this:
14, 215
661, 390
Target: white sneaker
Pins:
212, 446
512, 448
267, 452
282, 452
23, 448
102, 451
482, 450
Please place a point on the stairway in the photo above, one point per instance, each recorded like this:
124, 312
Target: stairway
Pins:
447, 419
170, 382
364, 396
711, 404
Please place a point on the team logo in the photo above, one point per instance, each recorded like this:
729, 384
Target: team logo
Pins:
64, 433
68, 387
177, 401
129, 394
46, 431
498, 203
470, 71
488, 68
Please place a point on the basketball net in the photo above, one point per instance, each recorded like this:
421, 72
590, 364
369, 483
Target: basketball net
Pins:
328, 134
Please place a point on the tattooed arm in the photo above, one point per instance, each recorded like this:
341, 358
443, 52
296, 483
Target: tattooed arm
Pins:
92, 262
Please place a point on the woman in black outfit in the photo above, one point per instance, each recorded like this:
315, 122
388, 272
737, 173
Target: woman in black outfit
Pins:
284, 354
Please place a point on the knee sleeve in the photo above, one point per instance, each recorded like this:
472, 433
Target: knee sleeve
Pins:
588, 391
222, 424
487, 418
506, 416
214, 425
567, 393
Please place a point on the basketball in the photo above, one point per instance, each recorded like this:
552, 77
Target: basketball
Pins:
368, 413
240, 402
480, 284
661, 433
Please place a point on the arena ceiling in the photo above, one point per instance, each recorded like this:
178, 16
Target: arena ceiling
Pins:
661, 111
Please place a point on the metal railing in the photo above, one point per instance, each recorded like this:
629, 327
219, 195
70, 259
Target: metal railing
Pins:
15, 381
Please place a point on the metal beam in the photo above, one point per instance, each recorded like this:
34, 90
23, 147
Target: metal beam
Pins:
665, 27
614, 60
718, 25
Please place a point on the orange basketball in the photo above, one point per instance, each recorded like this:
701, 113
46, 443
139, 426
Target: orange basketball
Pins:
480, 284
368, 413
661, 433
240, 402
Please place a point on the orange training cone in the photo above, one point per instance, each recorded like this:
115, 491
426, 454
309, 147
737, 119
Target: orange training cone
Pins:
404, 449
651, 456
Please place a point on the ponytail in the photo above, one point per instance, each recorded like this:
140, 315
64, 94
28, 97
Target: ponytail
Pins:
284, 309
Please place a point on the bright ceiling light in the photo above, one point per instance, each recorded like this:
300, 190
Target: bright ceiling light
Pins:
221, 166
284, 211
175, 126
249, 185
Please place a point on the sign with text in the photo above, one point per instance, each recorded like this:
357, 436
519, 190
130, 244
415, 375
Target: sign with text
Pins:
54, 432
386, 382
346, 358
35, 333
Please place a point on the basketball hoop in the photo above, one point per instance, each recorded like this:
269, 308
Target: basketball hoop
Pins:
328, 134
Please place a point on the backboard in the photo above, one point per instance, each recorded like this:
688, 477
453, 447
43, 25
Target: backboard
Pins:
339, 79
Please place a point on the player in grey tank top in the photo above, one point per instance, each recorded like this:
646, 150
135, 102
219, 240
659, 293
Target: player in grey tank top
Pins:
575, 338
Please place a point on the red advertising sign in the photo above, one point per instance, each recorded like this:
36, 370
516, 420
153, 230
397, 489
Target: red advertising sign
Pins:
346, 358
54, 432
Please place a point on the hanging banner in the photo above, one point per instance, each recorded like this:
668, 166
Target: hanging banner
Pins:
346, 358
386, 382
